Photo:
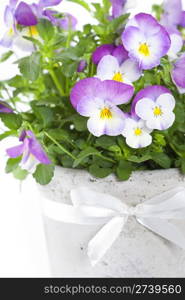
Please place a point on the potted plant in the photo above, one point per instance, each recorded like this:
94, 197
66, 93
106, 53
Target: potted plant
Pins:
107, 99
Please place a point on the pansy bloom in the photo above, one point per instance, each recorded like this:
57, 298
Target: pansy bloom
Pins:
31, 151
136, 133
120, 7
172, 13
145, 40
178, 74
118, 52
109, 68
98, 100
155, 105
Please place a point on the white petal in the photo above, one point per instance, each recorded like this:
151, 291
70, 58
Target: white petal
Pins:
30, 165
139, 141
162, 122
96, 126
176, 45
166, 101
130, 124
8, 38
144, 108
130, 70
107, 67
23, 44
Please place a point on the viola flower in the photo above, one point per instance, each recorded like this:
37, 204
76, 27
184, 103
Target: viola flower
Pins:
155, 105
10, 22
109, 68
98, 100
109, 49
172, 13
31, 151
146, 40
5, 108
120, 7
136, 133
65, 21
178, 74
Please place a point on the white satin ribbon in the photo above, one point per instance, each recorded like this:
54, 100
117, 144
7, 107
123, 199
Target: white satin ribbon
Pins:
90, 207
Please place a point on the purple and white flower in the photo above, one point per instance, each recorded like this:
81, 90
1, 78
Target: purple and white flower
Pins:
146, 40
120, 7
109, 68
155, 105
5, 108
31, 151
178, 74
98, 100
109, 49
82, 65
66, 21
136, 133
172, 13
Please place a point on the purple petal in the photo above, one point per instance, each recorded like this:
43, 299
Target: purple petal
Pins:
24, 15
36, 149
68, 22
182, 22
152, 92
22, 136
172, 12
8, 17
5, 108
15, 151
102, 51
13, 3
178, 72
115, 92
85, 88
82, 65
117, 7
46, 3
120, 53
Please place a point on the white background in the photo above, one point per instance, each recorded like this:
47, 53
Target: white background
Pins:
22, 244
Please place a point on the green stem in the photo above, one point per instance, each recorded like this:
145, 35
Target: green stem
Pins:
57, 82
60, 146
107, 158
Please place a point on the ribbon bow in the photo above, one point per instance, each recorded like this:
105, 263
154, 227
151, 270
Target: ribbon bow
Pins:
90, 207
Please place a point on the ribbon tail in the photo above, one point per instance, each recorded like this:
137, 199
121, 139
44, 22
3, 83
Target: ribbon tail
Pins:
165, 229
104, 239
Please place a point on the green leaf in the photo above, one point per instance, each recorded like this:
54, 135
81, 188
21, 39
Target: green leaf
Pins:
99, 172
12, 164
5, 56
6, 134
45, 114
80, 123
30, 66
183, 166
44, 173
105, 142
85, 153
46, 30
162, 159
11, 120
19, 173
82, 3
124, 170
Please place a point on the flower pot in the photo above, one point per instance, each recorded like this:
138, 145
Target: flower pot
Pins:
137, 252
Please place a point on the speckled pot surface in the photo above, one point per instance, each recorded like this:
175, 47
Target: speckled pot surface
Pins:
137, 252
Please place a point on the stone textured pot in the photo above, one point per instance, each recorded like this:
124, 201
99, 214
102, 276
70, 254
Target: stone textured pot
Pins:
137, 252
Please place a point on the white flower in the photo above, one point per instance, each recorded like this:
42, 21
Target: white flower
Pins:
136, 133
109, 69
157, 114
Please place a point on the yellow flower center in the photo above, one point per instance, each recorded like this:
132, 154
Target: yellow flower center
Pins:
105, 113
33, 31
138, 131
144, 49
118, 77
11, 32
157, 111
